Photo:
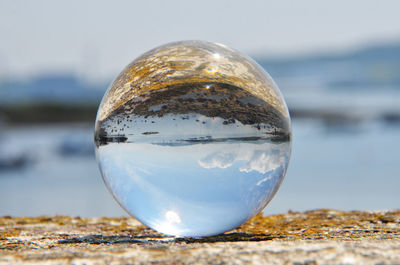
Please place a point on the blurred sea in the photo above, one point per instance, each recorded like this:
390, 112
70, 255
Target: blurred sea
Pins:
346, 136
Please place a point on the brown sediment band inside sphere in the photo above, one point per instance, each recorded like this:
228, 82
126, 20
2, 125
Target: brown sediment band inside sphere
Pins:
208, 99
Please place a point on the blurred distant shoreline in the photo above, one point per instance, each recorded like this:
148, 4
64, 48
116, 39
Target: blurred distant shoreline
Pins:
353, 87
52, 113
48, 113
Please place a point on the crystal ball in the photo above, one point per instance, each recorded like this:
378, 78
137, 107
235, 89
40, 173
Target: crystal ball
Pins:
193, 138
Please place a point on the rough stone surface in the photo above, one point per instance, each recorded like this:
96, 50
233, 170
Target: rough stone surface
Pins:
313, 237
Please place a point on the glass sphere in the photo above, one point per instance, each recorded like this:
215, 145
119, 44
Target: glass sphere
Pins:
193, 138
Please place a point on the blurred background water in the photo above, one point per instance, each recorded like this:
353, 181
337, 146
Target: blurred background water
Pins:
340, 77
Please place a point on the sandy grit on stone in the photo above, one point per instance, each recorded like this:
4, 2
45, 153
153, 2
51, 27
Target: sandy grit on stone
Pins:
313, 237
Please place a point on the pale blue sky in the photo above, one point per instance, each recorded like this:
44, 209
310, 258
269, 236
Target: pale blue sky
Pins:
96, 39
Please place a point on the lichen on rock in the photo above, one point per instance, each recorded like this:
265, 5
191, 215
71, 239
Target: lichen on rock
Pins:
312, 237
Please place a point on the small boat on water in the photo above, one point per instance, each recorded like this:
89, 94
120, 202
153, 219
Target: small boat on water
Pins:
13, 162
76, 146
11, 159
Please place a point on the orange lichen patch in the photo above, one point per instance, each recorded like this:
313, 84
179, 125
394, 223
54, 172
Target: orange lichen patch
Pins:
327, 224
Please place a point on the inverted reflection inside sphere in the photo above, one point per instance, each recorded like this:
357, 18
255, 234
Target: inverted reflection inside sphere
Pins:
193, 138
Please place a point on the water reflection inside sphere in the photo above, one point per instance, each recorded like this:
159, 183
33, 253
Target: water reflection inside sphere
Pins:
193, 139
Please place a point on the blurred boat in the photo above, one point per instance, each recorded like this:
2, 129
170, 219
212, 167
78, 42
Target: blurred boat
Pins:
14, 162
11, 159
76, 145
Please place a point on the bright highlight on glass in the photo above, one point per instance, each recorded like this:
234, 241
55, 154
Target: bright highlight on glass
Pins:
193, 138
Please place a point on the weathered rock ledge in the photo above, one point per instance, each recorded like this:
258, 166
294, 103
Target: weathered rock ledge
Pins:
313, 237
